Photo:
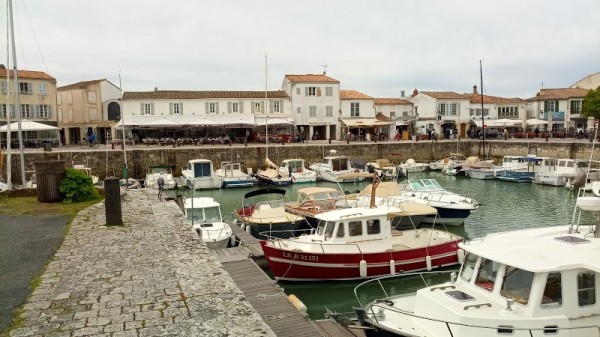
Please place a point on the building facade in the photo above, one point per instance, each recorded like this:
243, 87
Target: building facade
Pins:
561, 108
88, 107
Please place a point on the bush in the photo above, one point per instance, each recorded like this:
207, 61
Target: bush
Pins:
77, 186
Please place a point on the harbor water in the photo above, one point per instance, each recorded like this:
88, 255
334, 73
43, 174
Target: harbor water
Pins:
505, 206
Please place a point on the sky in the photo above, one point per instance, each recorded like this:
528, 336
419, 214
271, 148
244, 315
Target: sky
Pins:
377, 47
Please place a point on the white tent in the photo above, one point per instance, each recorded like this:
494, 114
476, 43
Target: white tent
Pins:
534, 121
501, 122
27, 125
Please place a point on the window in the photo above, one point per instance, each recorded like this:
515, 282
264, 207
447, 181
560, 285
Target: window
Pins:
212, 108
586, 288
3, 111
257, 107
354, 109
311, 91
91, 96
328, 91
486, 276
44, 111
466, 272
355, 228
275, 106
235, 107
25, 88
147, 108
373, 227
297, 91
25, 111
453, 109
442, 109
176, 108
329, 111
392, 114
508, 112
550, 106
312, 111
576, 106
4, 86
517, 284
42, 88
552, 291
299, 110
341, 230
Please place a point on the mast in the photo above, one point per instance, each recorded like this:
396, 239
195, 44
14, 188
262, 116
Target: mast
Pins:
17, 89
482, 113
125, 175
266, 113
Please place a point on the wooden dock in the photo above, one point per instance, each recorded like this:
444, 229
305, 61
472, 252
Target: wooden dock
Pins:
249, 247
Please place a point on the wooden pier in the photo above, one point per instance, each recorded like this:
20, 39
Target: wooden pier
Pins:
249, 247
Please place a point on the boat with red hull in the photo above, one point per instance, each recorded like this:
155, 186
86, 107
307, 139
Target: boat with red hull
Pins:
359, 243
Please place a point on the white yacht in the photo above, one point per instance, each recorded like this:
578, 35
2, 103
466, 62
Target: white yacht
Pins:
200, 174
157, 172
331, 167
297, 171
207, 221
564, 171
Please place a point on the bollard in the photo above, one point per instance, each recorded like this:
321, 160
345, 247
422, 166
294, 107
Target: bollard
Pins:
112, 201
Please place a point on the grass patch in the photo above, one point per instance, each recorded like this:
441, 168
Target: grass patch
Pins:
29, 205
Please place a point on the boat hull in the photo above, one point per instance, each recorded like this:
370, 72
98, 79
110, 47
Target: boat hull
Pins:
263, 231
301, 266
481, 174
234, 183
448, 216
515, 176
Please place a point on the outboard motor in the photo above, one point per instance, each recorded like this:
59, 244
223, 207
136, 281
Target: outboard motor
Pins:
400, 176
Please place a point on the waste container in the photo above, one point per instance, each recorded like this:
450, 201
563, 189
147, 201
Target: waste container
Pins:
47, 146
49, 174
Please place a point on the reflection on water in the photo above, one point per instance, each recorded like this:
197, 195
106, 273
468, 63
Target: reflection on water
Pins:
504, 206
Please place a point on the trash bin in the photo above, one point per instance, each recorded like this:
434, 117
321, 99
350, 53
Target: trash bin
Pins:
48, 175
47, 146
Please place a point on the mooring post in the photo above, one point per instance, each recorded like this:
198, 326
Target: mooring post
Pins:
112, 201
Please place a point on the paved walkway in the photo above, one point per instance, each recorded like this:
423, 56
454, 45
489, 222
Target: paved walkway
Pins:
150, 277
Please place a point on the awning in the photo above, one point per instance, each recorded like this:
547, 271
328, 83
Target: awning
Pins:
365, 122
402, 123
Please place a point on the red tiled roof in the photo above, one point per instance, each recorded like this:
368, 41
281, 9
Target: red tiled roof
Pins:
28, 74
476, 98
79, 85
444, 94
391, 101
173, 94
310, 78
353, 94
561, 93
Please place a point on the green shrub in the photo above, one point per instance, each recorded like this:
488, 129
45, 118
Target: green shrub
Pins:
77, 186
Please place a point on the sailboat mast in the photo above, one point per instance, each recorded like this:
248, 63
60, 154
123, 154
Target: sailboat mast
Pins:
482, 113
17, 89
266, 110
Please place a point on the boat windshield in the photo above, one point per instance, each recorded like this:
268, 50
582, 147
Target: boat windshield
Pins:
468, 267
425, 185
486, 275
212, 214
325, 228
517, 284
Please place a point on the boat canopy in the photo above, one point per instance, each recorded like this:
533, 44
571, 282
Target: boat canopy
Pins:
410, 208
384, 189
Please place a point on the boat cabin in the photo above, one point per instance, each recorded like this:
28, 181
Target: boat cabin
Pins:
354, 225
202, 210
292, 165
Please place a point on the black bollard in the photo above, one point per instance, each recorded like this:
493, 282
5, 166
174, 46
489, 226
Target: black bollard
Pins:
112, 201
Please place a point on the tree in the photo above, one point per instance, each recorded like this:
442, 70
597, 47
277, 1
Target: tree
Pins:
591, 104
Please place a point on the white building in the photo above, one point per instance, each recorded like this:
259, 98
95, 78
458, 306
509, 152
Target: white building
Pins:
561, 108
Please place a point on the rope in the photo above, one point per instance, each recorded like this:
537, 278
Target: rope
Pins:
273, 318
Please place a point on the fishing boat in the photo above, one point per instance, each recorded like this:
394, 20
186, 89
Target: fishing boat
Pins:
530, 282
207, 221
271, 175
358, 243
200, 174
231, 174
522, 169
156, 172
334, 165
297, 171
411, 166
316, 200
263, 215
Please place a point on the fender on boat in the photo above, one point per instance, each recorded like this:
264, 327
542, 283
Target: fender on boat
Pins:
461, 255
392, 267
297, 303
363, 268
428, 262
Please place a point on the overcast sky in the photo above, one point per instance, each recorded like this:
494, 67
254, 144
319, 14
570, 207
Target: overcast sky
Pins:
376, 47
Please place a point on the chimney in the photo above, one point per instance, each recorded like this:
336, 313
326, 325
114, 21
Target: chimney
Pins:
2, 66
415, 92
155, 88
402, 93
475, 89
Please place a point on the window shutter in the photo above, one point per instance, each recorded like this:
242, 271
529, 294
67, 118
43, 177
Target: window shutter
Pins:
170, 108
4, 87
252, 107
270, 106
262, 107
306, 91
217, 108
318, 91
141, 108
241, 107
49, 111
36, 111
152, 108
280, 106
228, 107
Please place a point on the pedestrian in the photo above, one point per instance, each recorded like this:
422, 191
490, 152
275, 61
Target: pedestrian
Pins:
161, 184
505, 134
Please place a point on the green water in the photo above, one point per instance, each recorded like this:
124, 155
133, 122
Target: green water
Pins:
505, 206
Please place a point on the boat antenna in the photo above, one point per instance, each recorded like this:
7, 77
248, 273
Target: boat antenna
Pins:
266, 114
482, 113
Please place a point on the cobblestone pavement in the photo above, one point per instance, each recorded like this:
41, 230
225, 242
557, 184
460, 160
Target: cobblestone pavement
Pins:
150, 277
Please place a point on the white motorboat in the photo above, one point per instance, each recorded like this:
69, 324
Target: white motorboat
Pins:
333, 166
205, 215
156, 172
200, 174
88, 172
271, 175
564, 171
385, 169
297, 171
523, 169
231, 174
411, 166
531, 282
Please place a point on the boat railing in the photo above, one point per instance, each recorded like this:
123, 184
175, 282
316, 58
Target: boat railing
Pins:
323, 246
452, 327
379, 281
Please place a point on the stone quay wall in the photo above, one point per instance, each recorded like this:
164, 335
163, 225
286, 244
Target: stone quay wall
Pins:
109, 162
